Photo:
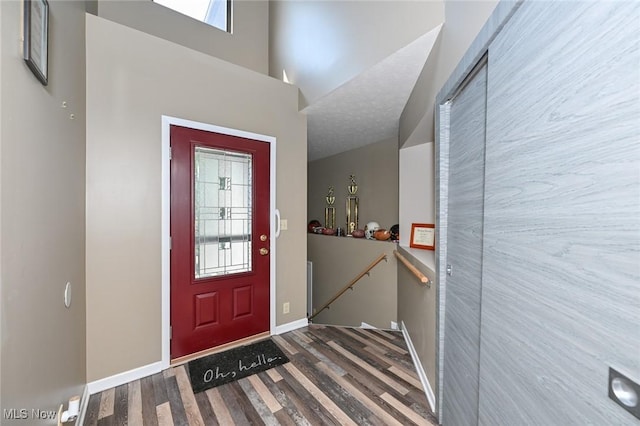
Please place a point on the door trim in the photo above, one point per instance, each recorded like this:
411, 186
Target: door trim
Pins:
167, 121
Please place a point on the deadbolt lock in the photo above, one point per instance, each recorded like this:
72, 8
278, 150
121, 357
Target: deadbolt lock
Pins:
263, 237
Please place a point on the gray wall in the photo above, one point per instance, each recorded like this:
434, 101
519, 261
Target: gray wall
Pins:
42, 199
463, 20
1, 297
417, 304
417, 309
416, 193
338, 260
376, 169
132, 80
247, 45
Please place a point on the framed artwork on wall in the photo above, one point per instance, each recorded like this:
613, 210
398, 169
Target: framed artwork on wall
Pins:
423, 236
36, 38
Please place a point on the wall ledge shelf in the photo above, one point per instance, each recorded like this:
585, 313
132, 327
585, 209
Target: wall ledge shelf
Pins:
347, 237
425, 260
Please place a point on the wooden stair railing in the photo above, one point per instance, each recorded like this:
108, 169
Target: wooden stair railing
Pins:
419, 275
351, 284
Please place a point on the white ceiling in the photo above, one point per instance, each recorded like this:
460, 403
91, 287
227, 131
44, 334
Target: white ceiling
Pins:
367, 108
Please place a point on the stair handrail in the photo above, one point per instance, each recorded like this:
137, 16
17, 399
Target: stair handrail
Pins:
366, 271
419, 275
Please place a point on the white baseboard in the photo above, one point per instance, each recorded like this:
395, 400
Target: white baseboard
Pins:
431, 397
369, 326
156, 367
290, 326
125, 377
84, 402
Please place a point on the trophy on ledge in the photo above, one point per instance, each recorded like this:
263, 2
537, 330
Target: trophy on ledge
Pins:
352, 206
330, 210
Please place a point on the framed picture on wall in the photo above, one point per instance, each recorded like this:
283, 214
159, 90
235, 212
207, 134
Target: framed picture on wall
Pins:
423, 236
36, 38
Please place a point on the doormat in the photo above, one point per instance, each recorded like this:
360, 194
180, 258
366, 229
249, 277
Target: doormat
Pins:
234, 364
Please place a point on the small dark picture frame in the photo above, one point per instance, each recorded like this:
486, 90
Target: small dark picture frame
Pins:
423, 236
36, 38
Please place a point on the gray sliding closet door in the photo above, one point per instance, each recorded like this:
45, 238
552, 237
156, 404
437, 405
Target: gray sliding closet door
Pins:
561, 275
464, 253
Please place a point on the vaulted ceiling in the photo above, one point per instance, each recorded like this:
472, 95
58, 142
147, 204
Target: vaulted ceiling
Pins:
355, 62
367, 108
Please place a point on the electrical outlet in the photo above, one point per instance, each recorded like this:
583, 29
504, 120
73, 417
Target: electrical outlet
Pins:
285, 308
284, 224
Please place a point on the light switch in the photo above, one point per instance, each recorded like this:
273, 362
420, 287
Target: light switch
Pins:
284, 224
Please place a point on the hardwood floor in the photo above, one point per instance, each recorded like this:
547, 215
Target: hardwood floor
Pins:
346, 376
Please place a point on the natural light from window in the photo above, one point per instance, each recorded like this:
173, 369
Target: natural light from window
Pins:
212, 12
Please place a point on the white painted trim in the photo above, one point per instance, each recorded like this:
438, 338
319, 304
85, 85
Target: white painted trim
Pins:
275, 233
431, 397
167, 121
84, 403
125, 377
165, 244
290, 326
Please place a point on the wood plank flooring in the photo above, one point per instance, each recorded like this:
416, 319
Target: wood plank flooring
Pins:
337, 375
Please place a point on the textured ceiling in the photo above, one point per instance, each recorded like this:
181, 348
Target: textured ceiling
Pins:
367, 108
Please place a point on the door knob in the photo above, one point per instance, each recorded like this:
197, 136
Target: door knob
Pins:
264, 251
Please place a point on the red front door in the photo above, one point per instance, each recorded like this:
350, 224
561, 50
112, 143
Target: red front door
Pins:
220, 238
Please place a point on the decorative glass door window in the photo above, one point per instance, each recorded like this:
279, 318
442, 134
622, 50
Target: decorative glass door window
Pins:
222, 212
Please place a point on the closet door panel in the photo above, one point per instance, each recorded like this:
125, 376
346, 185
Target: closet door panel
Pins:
464, 253
561, 274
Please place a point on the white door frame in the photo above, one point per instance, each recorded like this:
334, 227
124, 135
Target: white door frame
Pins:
167, 121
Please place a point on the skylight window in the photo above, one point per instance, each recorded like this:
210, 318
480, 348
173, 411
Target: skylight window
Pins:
216, 13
